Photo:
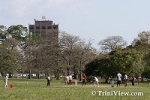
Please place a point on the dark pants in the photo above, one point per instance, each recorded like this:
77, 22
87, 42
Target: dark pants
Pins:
125, 82
48, 82
132, 83
84, 82
118, 83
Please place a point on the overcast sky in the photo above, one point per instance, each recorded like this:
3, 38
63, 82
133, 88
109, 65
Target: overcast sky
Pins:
88, 19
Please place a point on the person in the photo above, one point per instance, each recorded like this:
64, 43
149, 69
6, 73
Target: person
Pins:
6, 80
119, 79
132, 80
139, 79
48, 80
112, 81
70, 79
96, 82
125, 79
66, 80
84, 79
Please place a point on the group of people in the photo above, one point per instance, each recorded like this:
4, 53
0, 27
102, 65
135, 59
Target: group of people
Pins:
68, 80
125, 79
96, 81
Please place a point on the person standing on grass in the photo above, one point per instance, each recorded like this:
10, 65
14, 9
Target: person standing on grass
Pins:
125, 79
119, 79
70, 79
96, 82
112, 81
84, 79
66, 80
132, 80
48, 80
6, 80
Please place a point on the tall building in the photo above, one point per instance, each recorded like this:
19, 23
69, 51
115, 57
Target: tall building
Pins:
47, 29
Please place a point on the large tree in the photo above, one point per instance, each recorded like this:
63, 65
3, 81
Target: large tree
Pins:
11, 55
75, 53
123, 61
111, 43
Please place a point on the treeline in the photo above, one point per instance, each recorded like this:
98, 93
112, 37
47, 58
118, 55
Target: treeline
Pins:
132, 60
21, 52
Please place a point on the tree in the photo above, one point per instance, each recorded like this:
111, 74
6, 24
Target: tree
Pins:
123, 61
3, 32
17, 31
84, 53
144, 36
75, 53
111, 43
10, 57
67, 45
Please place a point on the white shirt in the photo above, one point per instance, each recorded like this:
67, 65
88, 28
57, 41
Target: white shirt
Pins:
125, 77
119, 76
6, 79
96, 79
48, 78
70, 77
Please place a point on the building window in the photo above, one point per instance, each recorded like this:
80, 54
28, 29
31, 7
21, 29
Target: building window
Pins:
43, 27
37, 27
49, 27
31, 27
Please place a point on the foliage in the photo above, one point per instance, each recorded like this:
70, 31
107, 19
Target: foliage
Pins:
116, 61
111, 43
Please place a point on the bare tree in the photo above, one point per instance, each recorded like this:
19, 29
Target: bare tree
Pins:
84, 53
67, 44
111, 43
75, 53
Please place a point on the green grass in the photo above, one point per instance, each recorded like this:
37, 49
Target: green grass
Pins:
34, 89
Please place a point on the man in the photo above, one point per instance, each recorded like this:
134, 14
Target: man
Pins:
48, 80
66, 80
119, 79
84, 78
96, 81
70, 79
132, 80
6, 80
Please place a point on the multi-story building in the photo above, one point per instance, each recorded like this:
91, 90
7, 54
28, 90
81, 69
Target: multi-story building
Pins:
47, 29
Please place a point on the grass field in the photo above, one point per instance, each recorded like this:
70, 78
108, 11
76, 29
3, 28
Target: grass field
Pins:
34, 89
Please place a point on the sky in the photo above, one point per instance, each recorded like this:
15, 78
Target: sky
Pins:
89, 19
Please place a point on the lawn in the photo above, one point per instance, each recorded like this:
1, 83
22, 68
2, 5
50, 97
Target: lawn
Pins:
36, 89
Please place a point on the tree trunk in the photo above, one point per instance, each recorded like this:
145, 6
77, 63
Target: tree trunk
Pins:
29, 76
67, 71
57, 75
38, 74
10, 75
80, 78
106, 80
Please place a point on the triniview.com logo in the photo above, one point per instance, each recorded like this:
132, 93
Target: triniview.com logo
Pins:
116, 93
